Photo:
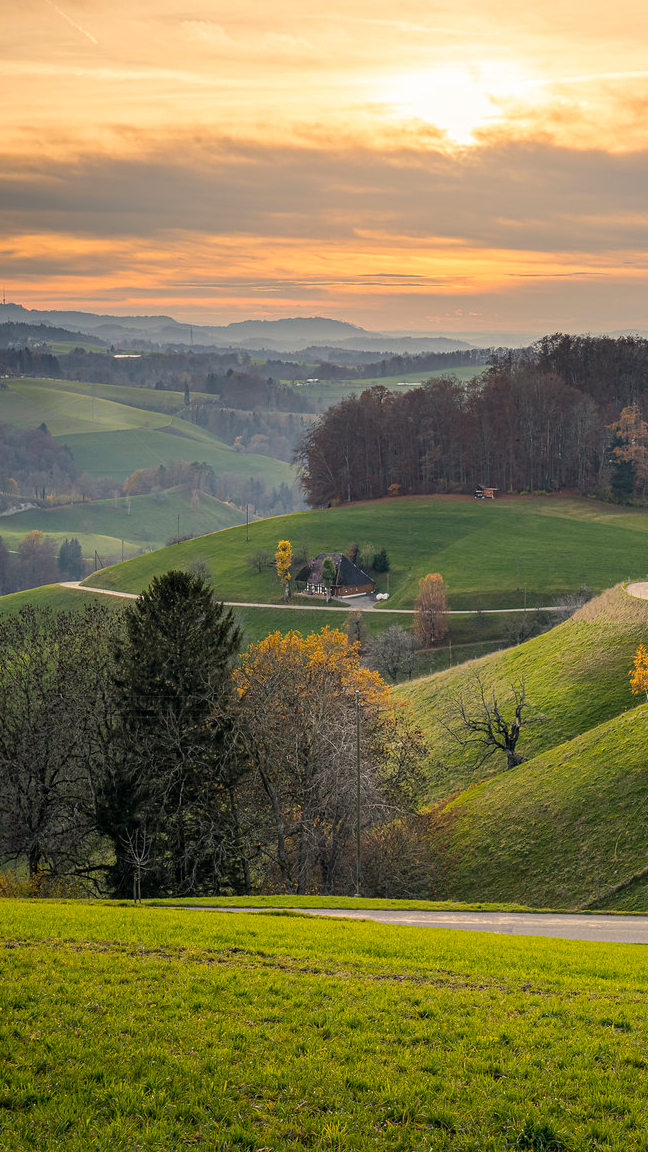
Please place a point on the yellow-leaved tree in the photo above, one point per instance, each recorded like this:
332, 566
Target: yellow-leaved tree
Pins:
639, 672
283, 563
431, 609
298, 719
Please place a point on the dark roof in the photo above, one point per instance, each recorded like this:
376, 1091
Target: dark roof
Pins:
348, 574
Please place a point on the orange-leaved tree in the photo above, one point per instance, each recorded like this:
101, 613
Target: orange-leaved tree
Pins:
298, 717
639, 672
283, 562
431, 609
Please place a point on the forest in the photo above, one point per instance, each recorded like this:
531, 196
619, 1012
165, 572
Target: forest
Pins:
566, 413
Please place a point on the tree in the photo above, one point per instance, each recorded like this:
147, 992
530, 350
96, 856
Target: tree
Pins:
356, 629
36, 560
328, 576
174, 759
630, 449
430, 609
54, 676
70, 559
298, 717
283, 561
4, 567
639, 672
381, 561
258, 560
392, 652
484, 725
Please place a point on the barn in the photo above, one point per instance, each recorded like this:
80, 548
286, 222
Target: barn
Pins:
349, 579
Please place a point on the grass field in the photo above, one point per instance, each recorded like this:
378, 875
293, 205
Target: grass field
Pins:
331, 391
491, 555
569, 825
147, 1029
143, 522
113, 439
575, 675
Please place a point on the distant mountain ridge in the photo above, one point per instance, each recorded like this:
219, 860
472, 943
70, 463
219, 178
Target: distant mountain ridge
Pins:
290, 334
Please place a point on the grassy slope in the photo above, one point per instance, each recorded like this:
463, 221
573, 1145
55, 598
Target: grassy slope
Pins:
53, 596
576, 675
559, 831
559, 545
572, 822
149, 1029
144, 522
113, 439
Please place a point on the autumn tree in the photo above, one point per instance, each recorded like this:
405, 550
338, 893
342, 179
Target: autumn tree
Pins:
431, 610
298, 718
639, 672
36, 560
630, 449
283, 562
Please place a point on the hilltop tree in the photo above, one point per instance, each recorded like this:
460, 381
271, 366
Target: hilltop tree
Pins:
639, 672
174, 758
431, 610
283, 562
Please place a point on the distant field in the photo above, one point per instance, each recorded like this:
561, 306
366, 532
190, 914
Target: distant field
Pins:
143, 522
492, 555
336, 389
147, 1028
113, 439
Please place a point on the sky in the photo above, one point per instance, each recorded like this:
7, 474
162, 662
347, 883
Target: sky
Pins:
446, 168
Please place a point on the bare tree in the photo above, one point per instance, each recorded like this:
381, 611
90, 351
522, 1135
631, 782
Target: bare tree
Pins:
486, 726
259, 559
392, 652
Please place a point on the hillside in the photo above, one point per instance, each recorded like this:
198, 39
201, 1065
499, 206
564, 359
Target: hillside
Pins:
560, 831
140, 522
571, 823
576, 675
109, 438
492, 555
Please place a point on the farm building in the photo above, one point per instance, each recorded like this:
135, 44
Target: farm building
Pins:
349, 579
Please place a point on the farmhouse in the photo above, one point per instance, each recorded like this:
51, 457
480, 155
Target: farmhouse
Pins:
349, 579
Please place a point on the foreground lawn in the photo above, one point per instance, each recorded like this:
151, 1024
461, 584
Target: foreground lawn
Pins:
125, 1028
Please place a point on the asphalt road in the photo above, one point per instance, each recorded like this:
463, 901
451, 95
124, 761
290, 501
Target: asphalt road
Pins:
563, 926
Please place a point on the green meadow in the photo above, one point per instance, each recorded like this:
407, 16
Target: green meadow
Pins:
499, 554
109, 438
142, 1028
141, 522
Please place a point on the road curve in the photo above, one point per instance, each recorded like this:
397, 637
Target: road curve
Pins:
563, 926
79, 587
639, 591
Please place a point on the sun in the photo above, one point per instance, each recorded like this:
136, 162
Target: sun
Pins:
459, 100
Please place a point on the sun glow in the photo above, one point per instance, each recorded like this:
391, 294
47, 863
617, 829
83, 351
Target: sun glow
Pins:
459, 100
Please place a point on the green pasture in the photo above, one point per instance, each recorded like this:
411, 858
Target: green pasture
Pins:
55, 597
562, 830
146, 1029
113, 439
491, 554
332, 390
142, 522
575, 675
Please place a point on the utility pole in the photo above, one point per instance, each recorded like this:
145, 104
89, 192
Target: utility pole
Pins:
357, 703
178, 532
247, 523
122, 550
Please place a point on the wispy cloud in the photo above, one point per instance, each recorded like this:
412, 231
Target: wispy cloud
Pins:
64, 15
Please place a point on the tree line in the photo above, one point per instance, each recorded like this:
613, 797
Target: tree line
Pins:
139, 755
543, 418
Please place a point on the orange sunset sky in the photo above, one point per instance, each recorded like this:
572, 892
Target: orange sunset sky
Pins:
443, 167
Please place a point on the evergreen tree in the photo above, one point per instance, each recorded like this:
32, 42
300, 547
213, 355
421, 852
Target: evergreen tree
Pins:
70, 559
174, 762
381, 561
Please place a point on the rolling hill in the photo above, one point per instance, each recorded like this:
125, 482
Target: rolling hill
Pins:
570, 825
503, 554
110, 438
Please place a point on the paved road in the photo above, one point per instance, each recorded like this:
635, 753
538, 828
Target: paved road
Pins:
563, 926
350, 606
